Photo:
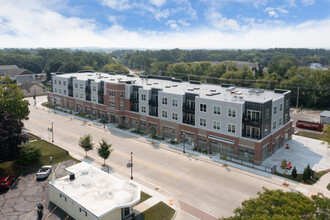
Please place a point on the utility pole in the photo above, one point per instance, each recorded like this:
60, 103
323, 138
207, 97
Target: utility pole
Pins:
297, 98
131, 165
184, 142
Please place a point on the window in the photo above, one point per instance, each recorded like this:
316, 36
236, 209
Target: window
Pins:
143, 97
202, 107
76, 85
121, 105
55, 81
280, 121
94, 99
64, 83
174, 102
164, 101
252, 132
231, 112
112, 93
191, 104
286, 117
94, 88
253, 115
266, 129
231, 128
164, 114
112, 104
286, 103
83, 211
275, 109
76, 95
63, 196
64, 92
202, 122
216, 110
267, 112
81, 86
281, 107
175, 116
274, 124
60, 91
81, 96
60, 82
55, 90
121, 94
216, 125
143, 109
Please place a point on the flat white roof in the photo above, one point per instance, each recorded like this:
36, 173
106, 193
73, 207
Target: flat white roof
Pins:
180, 88
96, 191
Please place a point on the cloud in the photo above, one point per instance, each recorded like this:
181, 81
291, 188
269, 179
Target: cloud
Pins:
307, 2
222, 23
36, 25
274, 12
218, 3
158, 3
117, 4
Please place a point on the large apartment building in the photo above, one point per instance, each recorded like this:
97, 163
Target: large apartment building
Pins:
245, 123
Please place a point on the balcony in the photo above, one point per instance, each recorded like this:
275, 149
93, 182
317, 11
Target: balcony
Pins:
188, 109
155, 114
153, 102
134, 98
248, 121
70, 87
134, 109
87, 89
100, 92
188, 121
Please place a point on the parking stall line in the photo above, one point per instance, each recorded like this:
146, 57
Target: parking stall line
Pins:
67, 217
34, 209
51, 212
57, 166
34, 178
16, 181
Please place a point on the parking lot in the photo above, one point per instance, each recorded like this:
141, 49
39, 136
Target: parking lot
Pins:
21, 200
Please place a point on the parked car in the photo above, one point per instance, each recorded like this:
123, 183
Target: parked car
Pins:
44, 172
7, 181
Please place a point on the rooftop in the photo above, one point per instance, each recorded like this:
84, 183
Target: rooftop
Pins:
325, 114
96, 191
209, 91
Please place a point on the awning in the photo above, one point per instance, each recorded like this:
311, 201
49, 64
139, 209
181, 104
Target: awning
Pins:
221, 139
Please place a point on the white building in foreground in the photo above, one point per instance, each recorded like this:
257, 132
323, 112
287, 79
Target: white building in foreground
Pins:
90, 193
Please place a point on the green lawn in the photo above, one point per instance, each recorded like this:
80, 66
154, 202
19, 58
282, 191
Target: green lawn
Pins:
160, 211
143, 197
313, 135
47, 150
299, 177
328, 186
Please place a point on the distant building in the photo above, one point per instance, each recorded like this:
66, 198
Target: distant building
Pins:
317, 66
90, 193
32, 88
325, 117
21, 75
5, 68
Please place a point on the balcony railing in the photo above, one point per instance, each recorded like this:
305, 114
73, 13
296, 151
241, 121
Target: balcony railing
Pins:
188, 121
188, 109
100, 92
70, 87
87, 89
134, 98
153, 102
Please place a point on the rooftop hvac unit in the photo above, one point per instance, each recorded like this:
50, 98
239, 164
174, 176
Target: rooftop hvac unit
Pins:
167, 86
175, 85
213, 90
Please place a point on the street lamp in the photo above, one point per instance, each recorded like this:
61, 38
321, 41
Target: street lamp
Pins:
131, 165
52, 133
184, 142
54, 101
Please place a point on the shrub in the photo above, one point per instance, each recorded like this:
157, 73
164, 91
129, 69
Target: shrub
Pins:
294, 173
139, 131
122, 127
173, 142
29, 154
309, 171
305, 176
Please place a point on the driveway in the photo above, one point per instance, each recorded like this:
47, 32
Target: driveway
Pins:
21, 200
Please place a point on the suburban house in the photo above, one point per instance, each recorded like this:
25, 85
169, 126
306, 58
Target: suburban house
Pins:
90, 193
317, 66
32, 88
243, 123
5, 68
325, 117
20, 75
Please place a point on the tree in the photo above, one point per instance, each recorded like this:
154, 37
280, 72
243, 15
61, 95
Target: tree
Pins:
309, 171
305, 176
294, 173
104, 150
86, 143
10, 136
12, 99
276, 204
29, 154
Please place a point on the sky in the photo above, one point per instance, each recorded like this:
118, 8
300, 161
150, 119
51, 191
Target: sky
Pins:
165, 24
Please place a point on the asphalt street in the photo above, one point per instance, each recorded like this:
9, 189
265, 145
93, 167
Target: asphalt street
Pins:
208, 186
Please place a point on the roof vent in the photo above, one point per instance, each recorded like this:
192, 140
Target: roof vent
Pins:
72, 176
213, 90
175, 85
167, 86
